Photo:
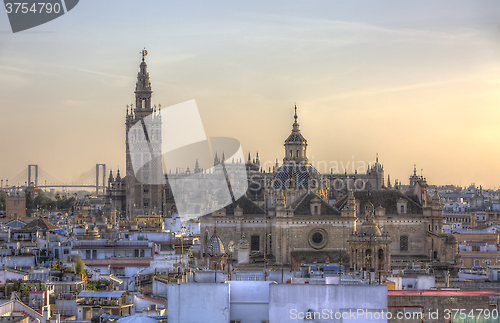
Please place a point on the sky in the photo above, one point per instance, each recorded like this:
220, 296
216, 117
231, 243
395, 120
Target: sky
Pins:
416, 82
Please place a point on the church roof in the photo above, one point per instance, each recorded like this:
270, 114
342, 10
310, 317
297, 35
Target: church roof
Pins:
302, 205
385, 198
302, 175
248, 206
295, 137
40, 224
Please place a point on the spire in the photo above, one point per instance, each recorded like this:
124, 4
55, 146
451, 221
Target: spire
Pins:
414, 169
110, 178
196, 166
143, 87
295, 144
118, 177
249, 158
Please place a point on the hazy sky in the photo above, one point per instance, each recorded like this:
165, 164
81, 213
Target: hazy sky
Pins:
415, 81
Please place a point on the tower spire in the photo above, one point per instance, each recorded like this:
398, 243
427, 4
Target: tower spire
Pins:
143, 87
295, 144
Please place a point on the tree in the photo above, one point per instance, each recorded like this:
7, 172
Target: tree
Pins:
41, 200
79, 266
3, 197
30, 201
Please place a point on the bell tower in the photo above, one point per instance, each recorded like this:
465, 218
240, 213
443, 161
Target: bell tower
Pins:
144, 194
143, 89
295, 145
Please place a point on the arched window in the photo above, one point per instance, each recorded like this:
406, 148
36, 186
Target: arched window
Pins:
380, 259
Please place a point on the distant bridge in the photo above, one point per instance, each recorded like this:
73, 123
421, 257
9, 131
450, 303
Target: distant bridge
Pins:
33, 175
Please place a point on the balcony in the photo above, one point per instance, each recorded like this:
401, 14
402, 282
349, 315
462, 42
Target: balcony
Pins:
119, 262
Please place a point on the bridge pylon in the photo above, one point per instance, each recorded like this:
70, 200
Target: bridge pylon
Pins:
100, 167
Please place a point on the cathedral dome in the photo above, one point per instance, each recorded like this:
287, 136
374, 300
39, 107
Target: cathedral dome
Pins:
295, 137
298, 176
215, 247
370, 228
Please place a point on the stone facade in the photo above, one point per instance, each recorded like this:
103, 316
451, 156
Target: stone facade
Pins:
295, 223
144, 187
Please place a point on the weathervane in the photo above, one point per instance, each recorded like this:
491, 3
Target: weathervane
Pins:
144, 53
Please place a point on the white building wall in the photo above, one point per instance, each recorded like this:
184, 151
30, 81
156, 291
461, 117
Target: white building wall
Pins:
210, 276
66, 307
249, 301
194, 303
18, 261
5, 274
290, 302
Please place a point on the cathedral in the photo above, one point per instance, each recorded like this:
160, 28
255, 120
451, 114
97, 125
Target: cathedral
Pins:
371, 229
144, 193
292, 213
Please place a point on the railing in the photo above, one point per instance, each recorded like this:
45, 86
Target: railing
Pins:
248, 277
80, 243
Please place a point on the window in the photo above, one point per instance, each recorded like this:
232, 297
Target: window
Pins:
317, 237
15, 203
477, 263
402, 209
297, 153
380, 259
66, 251
254, 243
316, 210
235, 321
403, 243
